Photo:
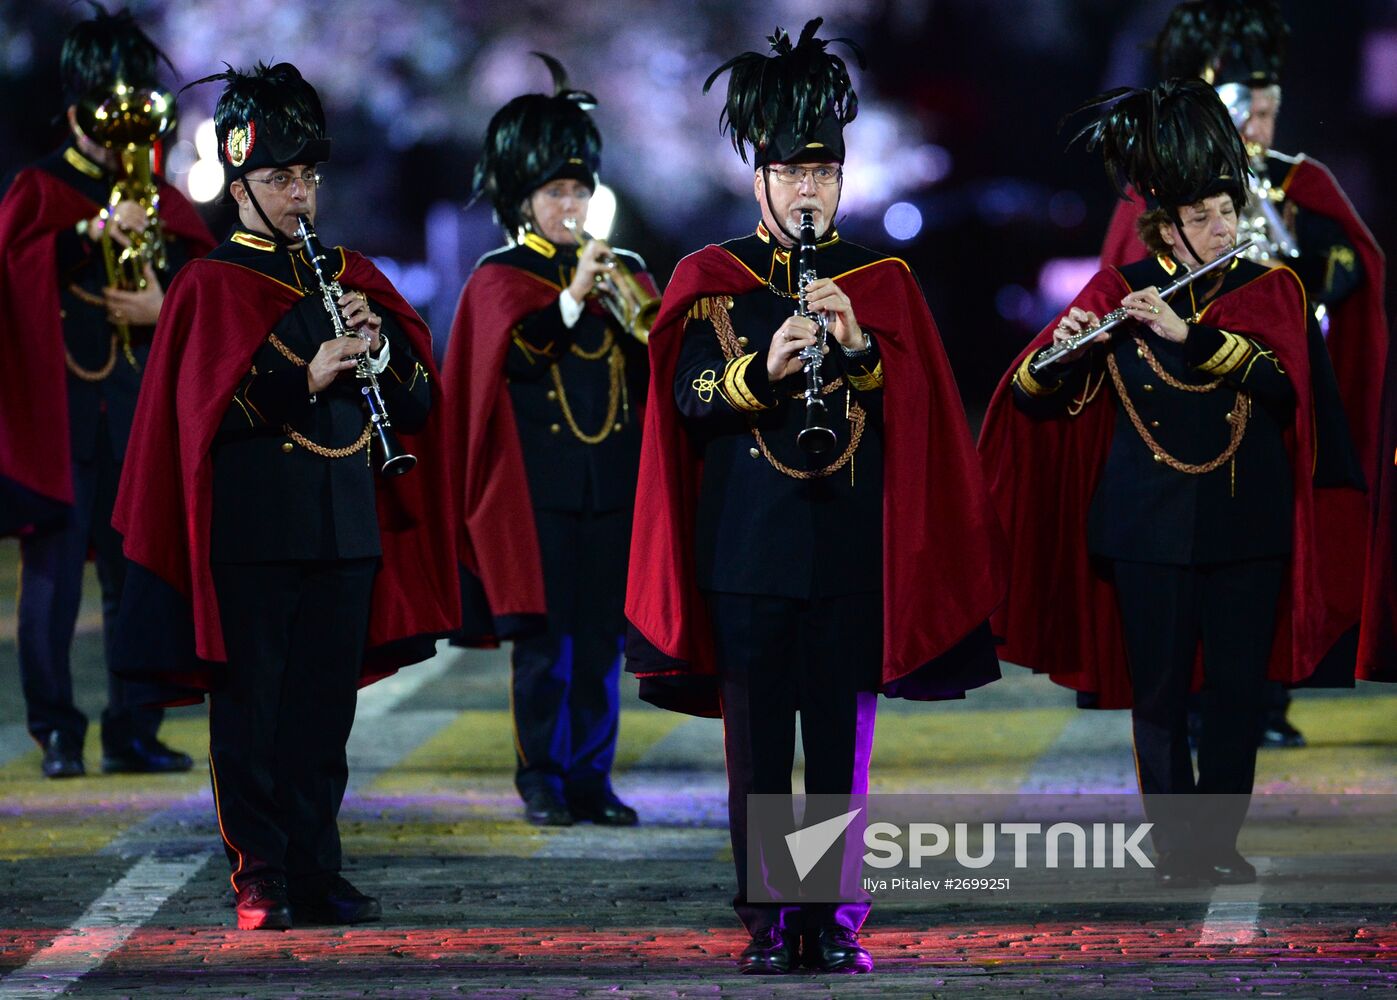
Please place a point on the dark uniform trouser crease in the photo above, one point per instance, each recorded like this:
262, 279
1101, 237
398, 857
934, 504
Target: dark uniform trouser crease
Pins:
565, 682
280, 718
1165, 611
51, 573
779, 656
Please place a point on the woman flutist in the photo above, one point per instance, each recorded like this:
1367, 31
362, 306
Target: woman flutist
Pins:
1185, 442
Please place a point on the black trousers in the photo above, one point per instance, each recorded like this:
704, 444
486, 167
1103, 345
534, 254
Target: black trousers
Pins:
1167, 611
565, 692
51, 571
778, 657
279, 722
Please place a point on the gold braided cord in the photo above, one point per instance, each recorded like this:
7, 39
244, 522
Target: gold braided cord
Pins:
88, 374
727, 339
600, 352
1241, 411
358, 445
319, 449
1143, 351
616, 372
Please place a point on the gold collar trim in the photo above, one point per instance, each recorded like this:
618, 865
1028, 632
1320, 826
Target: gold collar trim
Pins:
81, 163
539, 245
255, 242
764, 234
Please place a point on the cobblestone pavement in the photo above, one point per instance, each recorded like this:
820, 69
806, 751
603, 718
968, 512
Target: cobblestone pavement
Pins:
115, 886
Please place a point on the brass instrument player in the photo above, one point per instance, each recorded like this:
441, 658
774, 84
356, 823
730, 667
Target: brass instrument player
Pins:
546, 372
80, 332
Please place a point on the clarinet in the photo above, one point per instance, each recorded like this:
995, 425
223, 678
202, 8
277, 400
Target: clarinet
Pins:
393, 460
815, 438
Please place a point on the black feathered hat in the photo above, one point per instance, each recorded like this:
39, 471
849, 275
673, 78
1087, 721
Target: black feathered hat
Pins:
1173, 143
270, 117
534, 139
1223, 42
792, 105
108, 48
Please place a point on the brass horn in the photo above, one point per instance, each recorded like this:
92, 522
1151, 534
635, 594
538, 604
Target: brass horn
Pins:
629, 302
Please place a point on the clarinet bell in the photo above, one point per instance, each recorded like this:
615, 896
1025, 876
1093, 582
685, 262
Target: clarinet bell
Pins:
815, 439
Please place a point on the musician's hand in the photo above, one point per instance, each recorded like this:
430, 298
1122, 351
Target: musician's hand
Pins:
1146, 306
1077, 321
783, 357
823, 295
136, 308
335, 356
354, 306
595, 259
127, 217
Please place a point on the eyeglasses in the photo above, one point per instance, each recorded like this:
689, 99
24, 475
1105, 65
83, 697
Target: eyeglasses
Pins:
283, 179
790, 174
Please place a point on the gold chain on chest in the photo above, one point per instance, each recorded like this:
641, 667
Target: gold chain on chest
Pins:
617, 395
315, 448
1237, 417
727, 339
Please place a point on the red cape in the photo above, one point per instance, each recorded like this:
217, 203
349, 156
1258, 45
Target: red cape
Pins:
1061, 617
215, 316
496, 539
35, 464
1377, 641
1357, 343
943, 559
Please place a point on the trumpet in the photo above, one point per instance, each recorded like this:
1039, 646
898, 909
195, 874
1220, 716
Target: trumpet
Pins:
1116, 317
630, 304
815, 438
393, 460
129, 121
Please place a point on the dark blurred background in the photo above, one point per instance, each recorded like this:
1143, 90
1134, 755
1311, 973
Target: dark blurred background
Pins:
955, 161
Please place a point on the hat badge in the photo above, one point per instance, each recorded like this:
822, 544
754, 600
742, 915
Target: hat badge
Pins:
238, 145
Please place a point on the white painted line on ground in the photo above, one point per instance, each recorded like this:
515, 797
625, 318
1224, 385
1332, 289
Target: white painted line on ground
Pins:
109, 921
379, 699
1230, 922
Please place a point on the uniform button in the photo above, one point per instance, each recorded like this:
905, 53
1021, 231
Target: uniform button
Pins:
1158, 457
552, 394
1148, 387
556, 428
63, 314
1154, 423
754, 453
742, 341
616, 426
1139, 352
286, 446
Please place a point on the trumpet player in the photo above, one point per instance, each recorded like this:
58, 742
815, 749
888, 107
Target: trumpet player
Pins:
1163, 487
79, 336
1303, 220
280, 571
546, 373
769, 581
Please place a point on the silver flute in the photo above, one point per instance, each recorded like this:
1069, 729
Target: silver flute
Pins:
815, 438
1116, 317
393, 460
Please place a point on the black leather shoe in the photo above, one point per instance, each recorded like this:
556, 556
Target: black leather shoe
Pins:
771, 952
1178, 871
604, 810
837, 949
262, 906
63, 756
144, 756
1279, 733
545, 807
332, 900
1231, 869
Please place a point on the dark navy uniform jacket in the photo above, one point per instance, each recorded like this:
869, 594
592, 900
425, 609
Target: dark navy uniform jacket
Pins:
564, 472
760, 529
1146, 511
274, 498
